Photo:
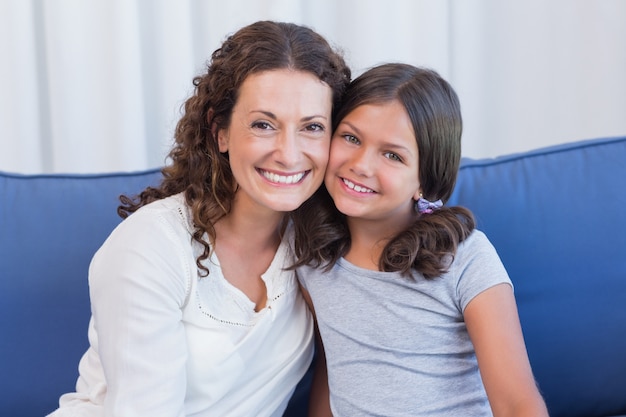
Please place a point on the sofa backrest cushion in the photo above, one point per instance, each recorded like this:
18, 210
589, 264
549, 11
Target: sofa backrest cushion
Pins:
50, 227
557, 218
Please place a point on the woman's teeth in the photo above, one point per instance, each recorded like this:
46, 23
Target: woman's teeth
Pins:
283, 179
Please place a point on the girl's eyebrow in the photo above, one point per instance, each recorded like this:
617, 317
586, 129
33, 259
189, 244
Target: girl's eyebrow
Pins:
353, 127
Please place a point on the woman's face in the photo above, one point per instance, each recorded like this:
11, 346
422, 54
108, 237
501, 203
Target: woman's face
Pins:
373, 169
278, 139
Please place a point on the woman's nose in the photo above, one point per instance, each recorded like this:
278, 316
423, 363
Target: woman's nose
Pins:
288, 150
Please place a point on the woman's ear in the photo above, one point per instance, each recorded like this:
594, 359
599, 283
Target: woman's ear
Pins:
222, 138
221, 135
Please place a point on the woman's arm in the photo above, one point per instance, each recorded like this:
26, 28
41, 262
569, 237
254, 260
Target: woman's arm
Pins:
138, 286
494, 328
319, 401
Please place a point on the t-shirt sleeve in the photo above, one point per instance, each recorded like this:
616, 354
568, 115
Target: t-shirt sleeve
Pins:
478, 268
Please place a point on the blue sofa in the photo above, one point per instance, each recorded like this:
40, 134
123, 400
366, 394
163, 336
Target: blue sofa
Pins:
556, 215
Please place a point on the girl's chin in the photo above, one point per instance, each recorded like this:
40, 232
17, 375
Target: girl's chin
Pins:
350, 209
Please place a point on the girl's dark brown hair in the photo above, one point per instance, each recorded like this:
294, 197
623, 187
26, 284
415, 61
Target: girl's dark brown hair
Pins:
431, 241
197, 168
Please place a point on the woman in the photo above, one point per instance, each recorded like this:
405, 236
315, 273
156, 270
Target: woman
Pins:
193, 311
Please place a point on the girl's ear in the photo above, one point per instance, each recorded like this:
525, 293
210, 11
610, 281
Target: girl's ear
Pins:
418, 194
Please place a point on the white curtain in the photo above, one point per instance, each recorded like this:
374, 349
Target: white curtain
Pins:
97, 85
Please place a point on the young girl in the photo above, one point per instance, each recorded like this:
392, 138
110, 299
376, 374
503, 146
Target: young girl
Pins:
415, 310
193, 310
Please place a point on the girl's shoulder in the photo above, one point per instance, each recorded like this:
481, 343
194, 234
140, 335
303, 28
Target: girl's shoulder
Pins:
476, 241
476, 267
476, 252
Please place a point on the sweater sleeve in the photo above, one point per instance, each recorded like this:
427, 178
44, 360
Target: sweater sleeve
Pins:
139, 282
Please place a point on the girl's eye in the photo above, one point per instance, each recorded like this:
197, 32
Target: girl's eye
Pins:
315, 127
393, 156
261, 125
351, 139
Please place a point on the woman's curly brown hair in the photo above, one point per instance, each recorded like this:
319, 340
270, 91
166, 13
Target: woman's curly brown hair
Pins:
197, 168
429, 244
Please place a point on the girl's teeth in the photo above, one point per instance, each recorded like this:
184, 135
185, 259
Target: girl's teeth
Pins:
355, 187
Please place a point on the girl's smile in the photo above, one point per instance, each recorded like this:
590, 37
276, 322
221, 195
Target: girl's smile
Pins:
357, 188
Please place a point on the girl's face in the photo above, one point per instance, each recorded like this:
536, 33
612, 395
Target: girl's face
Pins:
373, 167
278, 139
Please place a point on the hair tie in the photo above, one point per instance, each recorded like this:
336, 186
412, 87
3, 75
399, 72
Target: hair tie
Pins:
424, 206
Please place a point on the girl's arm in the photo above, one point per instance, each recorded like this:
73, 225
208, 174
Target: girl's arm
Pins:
494, 328
319, 401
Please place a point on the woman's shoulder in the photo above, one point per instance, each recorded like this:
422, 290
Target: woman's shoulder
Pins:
160, 224
172, 210
151, 243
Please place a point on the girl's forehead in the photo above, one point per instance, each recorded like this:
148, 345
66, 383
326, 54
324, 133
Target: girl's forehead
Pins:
386, 124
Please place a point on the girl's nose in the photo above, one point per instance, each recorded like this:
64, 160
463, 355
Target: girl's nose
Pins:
362, 163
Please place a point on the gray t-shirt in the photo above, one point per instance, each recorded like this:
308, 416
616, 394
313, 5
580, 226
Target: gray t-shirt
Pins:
397, 346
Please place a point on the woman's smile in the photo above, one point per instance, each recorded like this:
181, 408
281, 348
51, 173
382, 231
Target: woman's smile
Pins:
283, 179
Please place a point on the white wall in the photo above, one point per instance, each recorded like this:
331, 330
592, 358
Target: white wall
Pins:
96, 86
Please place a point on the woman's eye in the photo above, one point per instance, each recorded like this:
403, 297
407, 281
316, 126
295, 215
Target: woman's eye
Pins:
351, 139
261, 125
315, 127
